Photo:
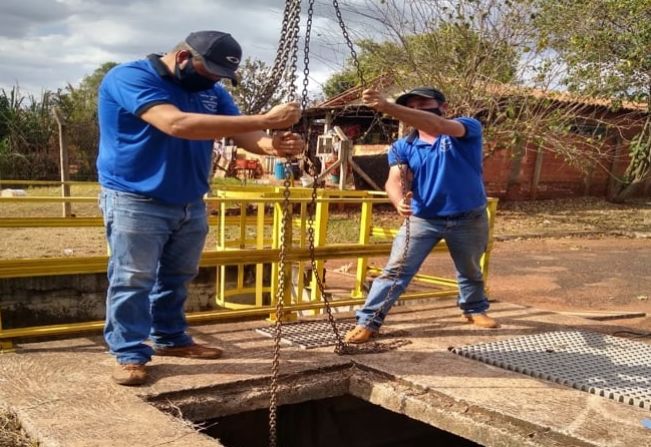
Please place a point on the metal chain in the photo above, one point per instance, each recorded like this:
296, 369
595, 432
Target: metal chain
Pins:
295, 27
403, 181
355, 59
349, 43
306, 59
289, 42
340, 345
280, 296
286, 43
272, 83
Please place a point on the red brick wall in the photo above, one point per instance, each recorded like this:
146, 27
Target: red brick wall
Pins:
558, 178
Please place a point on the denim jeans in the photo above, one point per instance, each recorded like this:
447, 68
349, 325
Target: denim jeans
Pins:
155, 250
466, 238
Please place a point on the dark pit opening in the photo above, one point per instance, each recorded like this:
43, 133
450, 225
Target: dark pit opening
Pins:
343, 421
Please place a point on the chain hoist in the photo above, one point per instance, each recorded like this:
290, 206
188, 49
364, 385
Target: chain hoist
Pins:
288, 51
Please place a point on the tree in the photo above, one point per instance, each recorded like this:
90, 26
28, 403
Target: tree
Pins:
433, 43
484, 55
606, 46
254, 75
79, 108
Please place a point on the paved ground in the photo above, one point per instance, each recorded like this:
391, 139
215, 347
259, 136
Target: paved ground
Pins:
63, 396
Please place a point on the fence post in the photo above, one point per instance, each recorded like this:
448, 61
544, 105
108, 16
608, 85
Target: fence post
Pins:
63, 163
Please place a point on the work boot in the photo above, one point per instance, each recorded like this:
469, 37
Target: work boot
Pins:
129, 374
193, 351
359, 334
481, 320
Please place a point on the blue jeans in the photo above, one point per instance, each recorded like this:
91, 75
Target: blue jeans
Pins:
466, 238
155, 250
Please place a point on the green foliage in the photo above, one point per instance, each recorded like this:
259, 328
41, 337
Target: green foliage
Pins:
78, 106
452, 50
29, 146
606, 44
26, 134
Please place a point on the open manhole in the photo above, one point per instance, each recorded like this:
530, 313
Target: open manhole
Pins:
343, 421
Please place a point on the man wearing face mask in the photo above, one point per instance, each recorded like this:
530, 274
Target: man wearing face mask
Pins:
158, 118
446, 200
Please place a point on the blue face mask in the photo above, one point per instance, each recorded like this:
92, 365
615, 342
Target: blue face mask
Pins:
434, 110
190, 79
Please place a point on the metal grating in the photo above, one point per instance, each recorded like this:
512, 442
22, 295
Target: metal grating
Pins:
612, 367
309, 334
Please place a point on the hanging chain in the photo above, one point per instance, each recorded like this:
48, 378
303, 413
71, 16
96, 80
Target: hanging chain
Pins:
306, 58
403, 183
288, 49
286, 43
341, 347
349, 43
355, 59
289, 43
280, 297
295, 28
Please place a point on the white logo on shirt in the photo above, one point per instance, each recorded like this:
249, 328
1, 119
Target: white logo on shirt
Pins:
445, 144
209, 101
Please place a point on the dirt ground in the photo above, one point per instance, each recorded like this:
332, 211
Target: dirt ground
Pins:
566, 274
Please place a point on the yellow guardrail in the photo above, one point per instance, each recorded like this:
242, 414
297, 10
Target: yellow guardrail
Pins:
73, 222
248, 235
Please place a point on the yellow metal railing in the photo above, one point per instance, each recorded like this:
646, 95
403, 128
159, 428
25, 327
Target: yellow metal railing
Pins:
248, 237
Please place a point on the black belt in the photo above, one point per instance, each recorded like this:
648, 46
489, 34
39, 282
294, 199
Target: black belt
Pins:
464, 215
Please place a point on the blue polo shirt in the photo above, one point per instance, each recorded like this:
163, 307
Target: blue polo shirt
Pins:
447, 174
136, 157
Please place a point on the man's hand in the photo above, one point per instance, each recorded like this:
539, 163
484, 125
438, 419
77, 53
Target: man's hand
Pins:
374, 99
283, 115
404, 206
287, 144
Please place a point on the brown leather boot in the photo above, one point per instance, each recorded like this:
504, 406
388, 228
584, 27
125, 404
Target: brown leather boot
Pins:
359, 334
129, 374
481, 320
193, 351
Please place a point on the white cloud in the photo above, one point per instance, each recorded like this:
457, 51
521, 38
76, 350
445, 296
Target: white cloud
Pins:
46, 44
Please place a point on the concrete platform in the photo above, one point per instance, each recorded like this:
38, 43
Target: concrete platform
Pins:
63, 395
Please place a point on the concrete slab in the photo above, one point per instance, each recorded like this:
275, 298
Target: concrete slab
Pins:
62, 393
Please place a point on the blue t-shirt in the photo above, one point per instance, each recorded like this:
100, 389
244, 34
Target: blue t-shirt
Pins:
136, 157
447, 174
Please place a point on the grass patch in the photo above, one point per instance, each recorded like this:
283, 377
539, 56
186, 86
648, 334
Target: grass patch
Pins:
11, 433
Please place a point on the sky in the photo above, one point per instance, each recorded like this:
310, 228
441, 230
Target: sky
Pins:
46, 44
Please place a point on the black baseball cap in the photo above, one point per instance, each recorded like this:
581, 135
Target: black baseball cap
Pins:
425, 92
220, 52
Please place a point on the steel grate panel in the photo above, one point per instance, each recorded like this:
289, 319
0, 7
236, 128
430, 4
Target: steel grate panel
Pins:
309, 334
612, 367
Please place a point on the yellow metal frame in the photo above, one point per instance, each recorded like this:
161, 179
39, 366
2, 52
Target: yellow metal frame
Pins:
242, 250
368, 231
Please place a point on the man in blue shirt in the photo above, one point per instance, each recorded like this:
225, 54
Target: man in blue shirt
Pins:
158, 119
445, 200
